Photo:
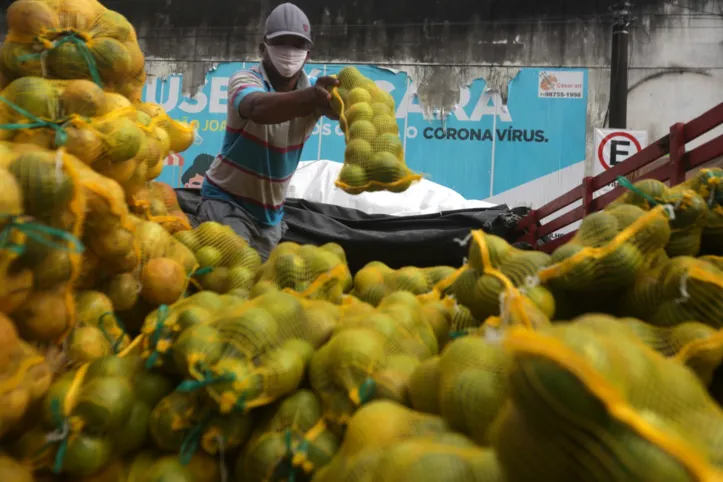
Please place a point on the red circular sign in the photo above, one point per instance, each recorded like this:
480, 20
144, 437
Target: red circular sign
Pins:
608, 138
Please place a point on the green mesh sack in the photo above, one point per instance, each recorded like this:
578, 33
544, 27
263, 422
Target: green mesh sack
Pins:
73, 40
314, 272
374, 155
587, 404
226, 262
291, 440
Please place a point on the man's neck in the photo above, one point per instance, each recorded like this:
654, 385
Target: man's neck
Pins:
280, 84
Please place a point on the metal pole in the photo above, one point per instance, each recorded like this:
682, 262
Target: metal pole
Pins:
619, 65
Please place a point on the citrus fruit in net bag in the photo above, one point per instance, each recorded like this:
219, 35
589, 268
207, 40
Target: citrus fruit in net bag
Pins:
364, 130
74, 114
74, 40
83, 97
43, 316
87, 343
163, 281
385, 124
366, 114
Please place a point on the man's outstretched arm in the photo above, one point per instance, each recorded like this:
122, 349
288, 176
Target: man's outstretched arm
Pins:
278, 107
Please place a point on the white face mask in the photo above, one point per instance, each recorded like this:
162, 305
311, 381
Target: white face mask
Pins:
287, 60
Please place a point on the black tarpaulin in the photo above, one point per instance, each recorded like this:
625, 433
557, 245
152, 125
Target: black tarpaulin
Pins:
422, 240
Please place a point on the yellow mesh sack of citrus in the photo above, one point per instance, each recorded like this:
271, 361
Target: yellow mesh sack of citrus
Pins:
374, 155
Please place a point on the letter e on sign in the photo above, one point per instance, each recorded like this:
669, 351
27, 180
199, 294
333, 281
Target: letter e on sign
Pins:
613, 146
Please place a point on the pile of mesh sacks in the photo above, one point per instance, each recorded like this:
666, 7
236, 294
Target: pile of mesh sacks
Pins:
601, 358
137, 348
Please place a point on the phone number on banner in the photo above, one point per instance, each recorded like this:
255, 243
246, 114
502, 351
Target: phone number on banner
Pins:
572, 95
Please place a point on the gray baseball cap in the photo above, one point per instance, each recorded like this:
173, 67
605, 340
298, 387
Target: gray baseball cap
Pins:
288, 19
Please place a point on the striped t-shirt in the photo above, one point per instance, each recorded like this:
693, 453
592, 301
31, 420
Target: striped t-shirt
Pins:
257, 161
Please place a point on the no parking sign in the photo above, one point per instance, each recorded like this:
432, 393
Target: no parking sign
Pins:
613, 146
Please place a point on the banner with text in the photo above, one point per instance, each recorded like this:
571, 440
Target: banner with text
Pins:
483, 147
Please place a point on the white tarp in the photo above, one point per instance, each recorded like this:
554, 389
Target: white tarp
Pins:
314, 181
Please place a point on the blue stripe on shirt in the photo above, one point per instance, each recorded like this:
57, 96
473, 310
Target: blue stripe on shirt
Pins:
258, 158
243, 93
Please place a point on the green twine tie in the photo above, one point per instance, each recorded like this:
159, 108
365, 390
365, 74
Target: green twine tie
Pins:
366, 390
61, 136
453, 335
241, 402
192, 441
156, 336
289, 456
61, 435
116, 343
72, 37
624, 182
202, 271
208, 379
38, 232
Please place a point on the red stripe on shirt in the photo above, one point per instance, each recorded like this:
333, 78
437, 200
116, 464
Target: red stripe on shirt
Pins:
282, 150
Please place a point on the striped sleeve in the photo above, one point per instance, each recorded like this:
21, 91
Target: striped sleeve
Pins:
241, 84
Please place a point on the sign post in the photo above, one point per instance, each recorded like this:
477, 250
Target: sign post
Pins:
613, 146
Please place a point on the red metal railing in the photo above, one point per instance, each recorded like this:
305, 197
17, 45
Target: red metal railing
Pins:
679, 162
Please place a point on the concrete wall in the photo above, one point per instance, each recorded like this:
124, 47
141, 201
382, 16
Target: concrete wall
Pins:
676, 53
